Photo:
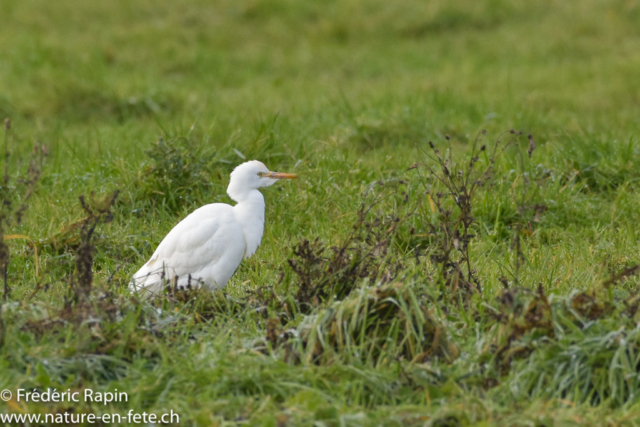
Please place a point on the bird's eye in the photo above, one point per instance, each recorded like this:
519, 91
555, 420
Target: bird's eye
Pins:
261, 174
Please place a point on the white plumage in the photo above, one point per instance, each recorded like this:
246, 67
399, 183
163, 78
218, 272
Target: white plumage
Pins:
206, 247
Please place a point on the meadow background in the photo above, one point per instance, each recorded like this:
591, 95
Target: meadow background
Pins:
160, 100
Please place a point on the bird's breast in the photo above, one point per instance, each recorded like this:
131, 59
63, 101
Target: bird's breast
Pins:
250, 216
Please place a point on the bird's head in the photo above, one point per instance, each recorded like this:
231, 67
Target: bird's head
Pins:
252, 175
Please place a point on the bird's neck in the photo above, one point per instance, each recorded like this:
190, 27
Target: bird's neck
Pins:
249, 213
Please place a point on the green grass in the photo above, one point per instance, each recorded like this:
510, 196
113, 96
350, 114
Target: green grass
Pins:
344, 94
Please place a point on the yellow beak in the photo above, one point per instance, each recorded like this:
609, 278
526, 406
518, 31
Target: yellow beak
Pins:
280, 175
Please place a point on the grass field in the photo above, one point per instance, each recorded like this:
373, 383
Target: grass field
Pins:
501, 298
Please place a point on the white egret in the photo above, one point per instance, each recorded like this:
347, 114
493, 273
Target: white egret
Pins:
206, 247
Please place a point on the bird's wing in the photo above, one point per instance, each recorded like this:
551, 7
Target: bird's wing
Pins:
205, 245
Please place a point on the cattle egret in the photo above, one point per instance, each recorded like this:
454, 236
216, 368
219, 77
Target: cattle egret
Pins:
206, 247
